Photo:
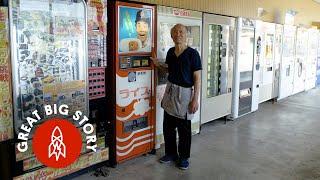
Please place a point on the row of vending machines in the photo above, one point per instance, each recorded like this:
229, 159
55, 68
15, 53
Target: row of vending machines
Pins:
95, 57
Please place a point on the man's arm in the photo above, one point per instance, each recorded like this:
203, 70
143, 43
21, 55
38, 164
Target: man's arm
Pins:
194, 105
161, 65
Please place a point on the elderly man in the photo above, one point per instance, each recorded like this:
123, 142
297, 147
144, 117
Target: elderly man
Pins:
180, 100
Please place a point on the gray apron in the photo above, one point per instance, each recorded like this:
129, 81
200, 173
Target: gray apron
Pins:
176, 100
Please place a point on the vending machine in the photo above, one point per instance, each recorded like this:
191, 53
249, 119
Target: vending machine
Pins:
311, 65
287, 62
131, 42
300, 60
277, 60
6, 115
217, 74
49, 66
318, 61
267, 33
245, 97
97, 63
167, 18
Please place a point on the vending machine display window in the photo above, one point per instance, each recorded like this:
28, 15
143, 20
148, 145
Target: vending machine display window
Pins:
214, 60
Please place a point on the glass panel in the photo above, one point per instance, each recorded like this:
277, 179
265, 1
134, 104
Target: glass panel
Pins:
246, 55
214, 60
50, 58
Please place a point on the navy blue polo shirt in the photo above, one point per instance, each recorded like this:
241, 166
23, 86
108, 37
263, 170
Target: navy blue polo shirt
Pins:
181, 68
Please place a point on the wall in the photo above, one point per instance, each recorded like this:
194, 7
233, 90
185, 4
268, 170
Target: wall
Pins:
308, 9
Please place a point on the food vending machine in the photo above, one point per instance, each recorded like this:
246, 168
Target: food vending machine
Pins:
311, 65
277, 60
167, 18
287, 62
49, 66
266, 31
218, 57
300, 60
245, 97
6, 115
131, 42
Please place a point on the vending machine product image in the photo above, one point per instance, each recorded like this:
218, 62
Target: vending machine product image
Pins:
287, 62
300, 60
245, 97
167, 18
217, 74
266, 31
277, 60
311, 64
131, 43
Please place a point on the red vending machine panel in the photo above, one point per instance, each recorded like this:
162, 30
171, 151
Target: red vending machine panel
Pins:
133, 85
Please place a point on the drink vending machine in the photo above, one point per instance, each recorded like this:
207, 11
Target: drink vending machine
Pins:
300, 61
245, 97
131, 42
277, 60
318, 61
267, 33
287, 62
311, 65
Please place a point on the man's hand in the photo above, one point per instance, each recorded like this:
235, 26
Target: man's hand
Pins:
193, 106
155, 61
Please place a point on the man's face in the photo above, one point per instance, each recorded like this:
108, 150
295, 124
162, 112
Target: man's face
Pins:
142, 30
179, 35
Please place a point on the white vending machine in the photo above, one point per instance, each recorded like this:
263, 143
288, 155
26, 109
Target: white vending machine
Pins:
287, 62
167, 18
266, 32
277, 60
318, 62
300, 60
311, 65
218, 58
245, 97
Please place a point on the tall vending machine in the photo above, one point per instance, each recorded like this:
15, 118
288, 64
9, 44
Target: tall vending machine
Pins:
267, 33
311, 64
49, 66
6, 115
287, 62
167, 18
131, 42
245, 97
277, 60
300, 60
218, 56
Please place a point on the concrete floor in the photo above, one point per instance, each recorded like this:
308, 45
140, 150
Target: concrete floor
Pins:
279, 141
